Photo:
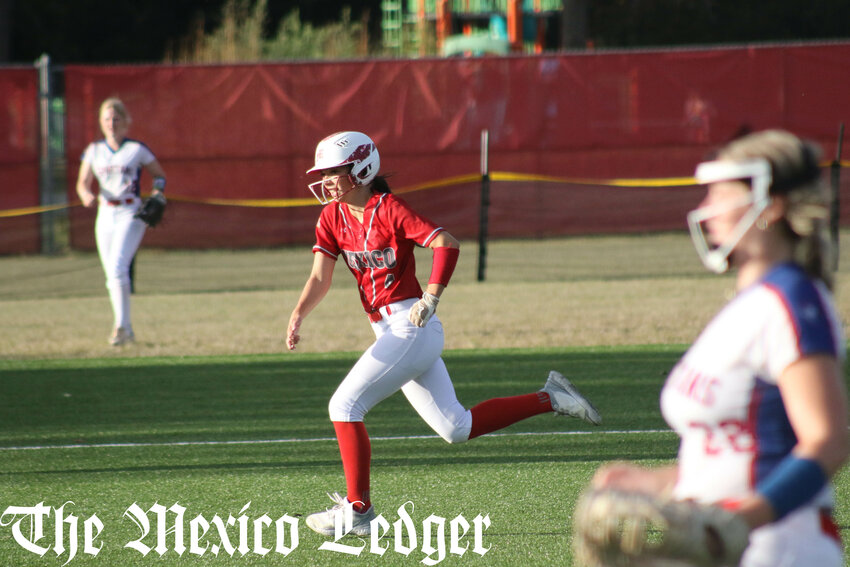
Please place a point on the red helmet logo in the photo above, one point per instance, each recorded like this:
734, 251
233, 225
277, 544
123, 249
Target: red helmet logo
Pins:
361, 153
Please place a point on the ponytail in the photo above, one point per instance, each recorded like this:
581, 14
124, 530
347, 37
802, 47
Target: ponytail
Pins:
807, 215
813, 251
380, 185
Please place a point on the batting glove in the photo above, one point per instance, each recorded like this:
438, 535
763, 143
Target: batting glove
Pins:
423, 309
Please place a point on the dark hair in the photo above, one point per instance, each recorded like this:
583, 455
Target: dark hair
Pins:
380, 185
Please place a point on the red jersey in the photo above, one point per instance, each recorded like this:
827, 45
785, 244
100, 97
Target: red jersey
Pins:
378, 251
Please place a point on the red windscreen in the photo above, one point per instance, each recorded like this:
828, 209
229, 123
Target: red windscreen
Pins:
247, 132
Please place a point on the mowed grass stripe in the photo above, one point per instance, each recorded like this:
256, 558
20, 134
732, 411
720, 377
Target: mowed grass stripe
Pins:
314, 440
85, 402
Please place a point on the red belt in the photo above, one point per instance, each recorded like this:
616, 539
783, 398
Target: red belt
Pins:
116, 202
828, 525
375, 315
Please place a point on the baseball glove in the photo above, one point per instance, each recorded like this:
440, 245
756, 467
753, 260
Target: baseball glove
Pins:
152, 210
630, 529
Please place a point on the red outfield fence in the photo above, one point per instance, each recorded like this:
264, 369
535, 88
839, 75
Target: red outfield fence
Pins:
19, 159
235, 140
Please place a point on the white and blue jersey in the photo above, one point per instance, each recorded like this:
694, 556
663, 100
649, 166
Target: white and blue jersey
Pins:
722, 398
118, 171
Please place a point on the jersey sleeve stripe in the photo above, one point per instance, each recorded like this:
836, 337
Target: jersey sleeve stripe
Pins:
773, 435
432, 236
324, 251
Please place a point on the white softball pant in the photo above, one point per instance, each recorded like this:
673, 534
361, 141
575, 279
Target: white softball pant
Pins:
118, 236
798, 540
404, 357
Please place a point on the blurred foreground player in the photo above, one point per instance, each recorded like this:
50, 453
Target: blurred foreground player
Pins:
759, 400
375, 233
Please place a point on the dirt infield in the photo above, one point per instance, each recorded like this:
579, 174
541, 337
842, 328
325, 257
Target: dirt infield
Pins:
538, 293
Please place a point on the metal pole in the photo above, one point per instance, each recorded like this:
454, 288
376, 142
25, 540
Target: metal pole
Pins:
485, 204
45, 95
835, 184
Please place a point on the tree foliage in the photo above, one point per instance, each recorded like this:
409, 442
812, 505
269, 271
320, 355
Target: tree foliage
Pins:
242, 37
125, 31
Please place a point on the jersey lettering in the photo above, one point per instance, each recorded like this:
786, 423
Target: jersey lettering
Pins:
729, 435
695, 385
113, 170
372, 259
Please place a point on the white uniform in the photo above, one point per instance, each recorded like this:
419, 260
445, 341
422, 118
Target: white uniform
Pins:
117, 233
723, 401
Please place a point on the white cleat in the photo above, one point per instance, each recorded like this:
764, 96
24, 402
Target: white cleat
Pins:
121, 336
325, 522
567, 400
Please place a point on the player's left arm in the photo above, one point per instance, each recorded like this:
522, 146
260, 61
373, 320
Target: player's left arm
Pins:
446, 251
816, 403
158, 175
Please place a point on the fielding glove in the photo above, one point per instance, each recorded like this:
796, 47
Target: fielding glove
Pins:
152, 209
637, 530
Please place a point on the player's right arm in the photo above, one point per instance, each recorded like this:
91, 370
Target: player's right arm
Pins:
656, 481
317, 286
85, 180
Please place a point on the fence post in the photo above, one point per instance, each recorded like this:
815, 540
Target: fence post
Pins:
45, 182
485, 205
834, 208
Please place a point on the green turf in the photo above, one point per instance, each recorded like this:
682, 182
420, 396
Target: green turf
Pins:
255, 430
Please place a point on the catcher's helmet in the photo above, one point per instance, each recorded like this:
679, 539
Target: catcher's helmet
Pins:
344, 148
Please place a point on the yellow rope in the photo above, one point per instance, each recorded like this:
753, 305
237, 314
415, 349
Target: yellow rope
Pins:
655, 182
31, 210
447, 182
268, 203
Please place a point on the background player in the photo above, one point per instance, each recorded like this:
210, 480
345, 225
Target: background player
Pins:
117, 162
759, 400
375, 233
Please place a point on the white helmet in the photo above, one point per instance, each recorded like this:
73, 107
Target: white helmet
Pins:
759, 172
344, 148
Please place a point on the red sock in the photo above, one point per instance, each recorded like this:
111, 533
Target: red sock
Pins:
356, 452
497, 413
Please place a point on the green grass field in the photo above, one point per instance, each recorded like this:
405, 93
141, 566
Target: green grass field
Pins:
205, 411
216, 434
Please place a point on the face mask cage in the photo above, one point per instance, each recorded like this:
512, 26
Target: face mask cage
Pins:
757, 171
323, 194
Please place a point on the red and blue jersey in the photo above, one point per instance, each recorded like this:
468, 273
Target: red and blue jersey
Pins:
722, 398
378, 250
118, 171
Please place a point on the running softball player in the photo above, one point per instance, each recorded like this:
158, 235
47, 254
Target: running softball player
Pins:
117, 162
758, 400
374, 232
